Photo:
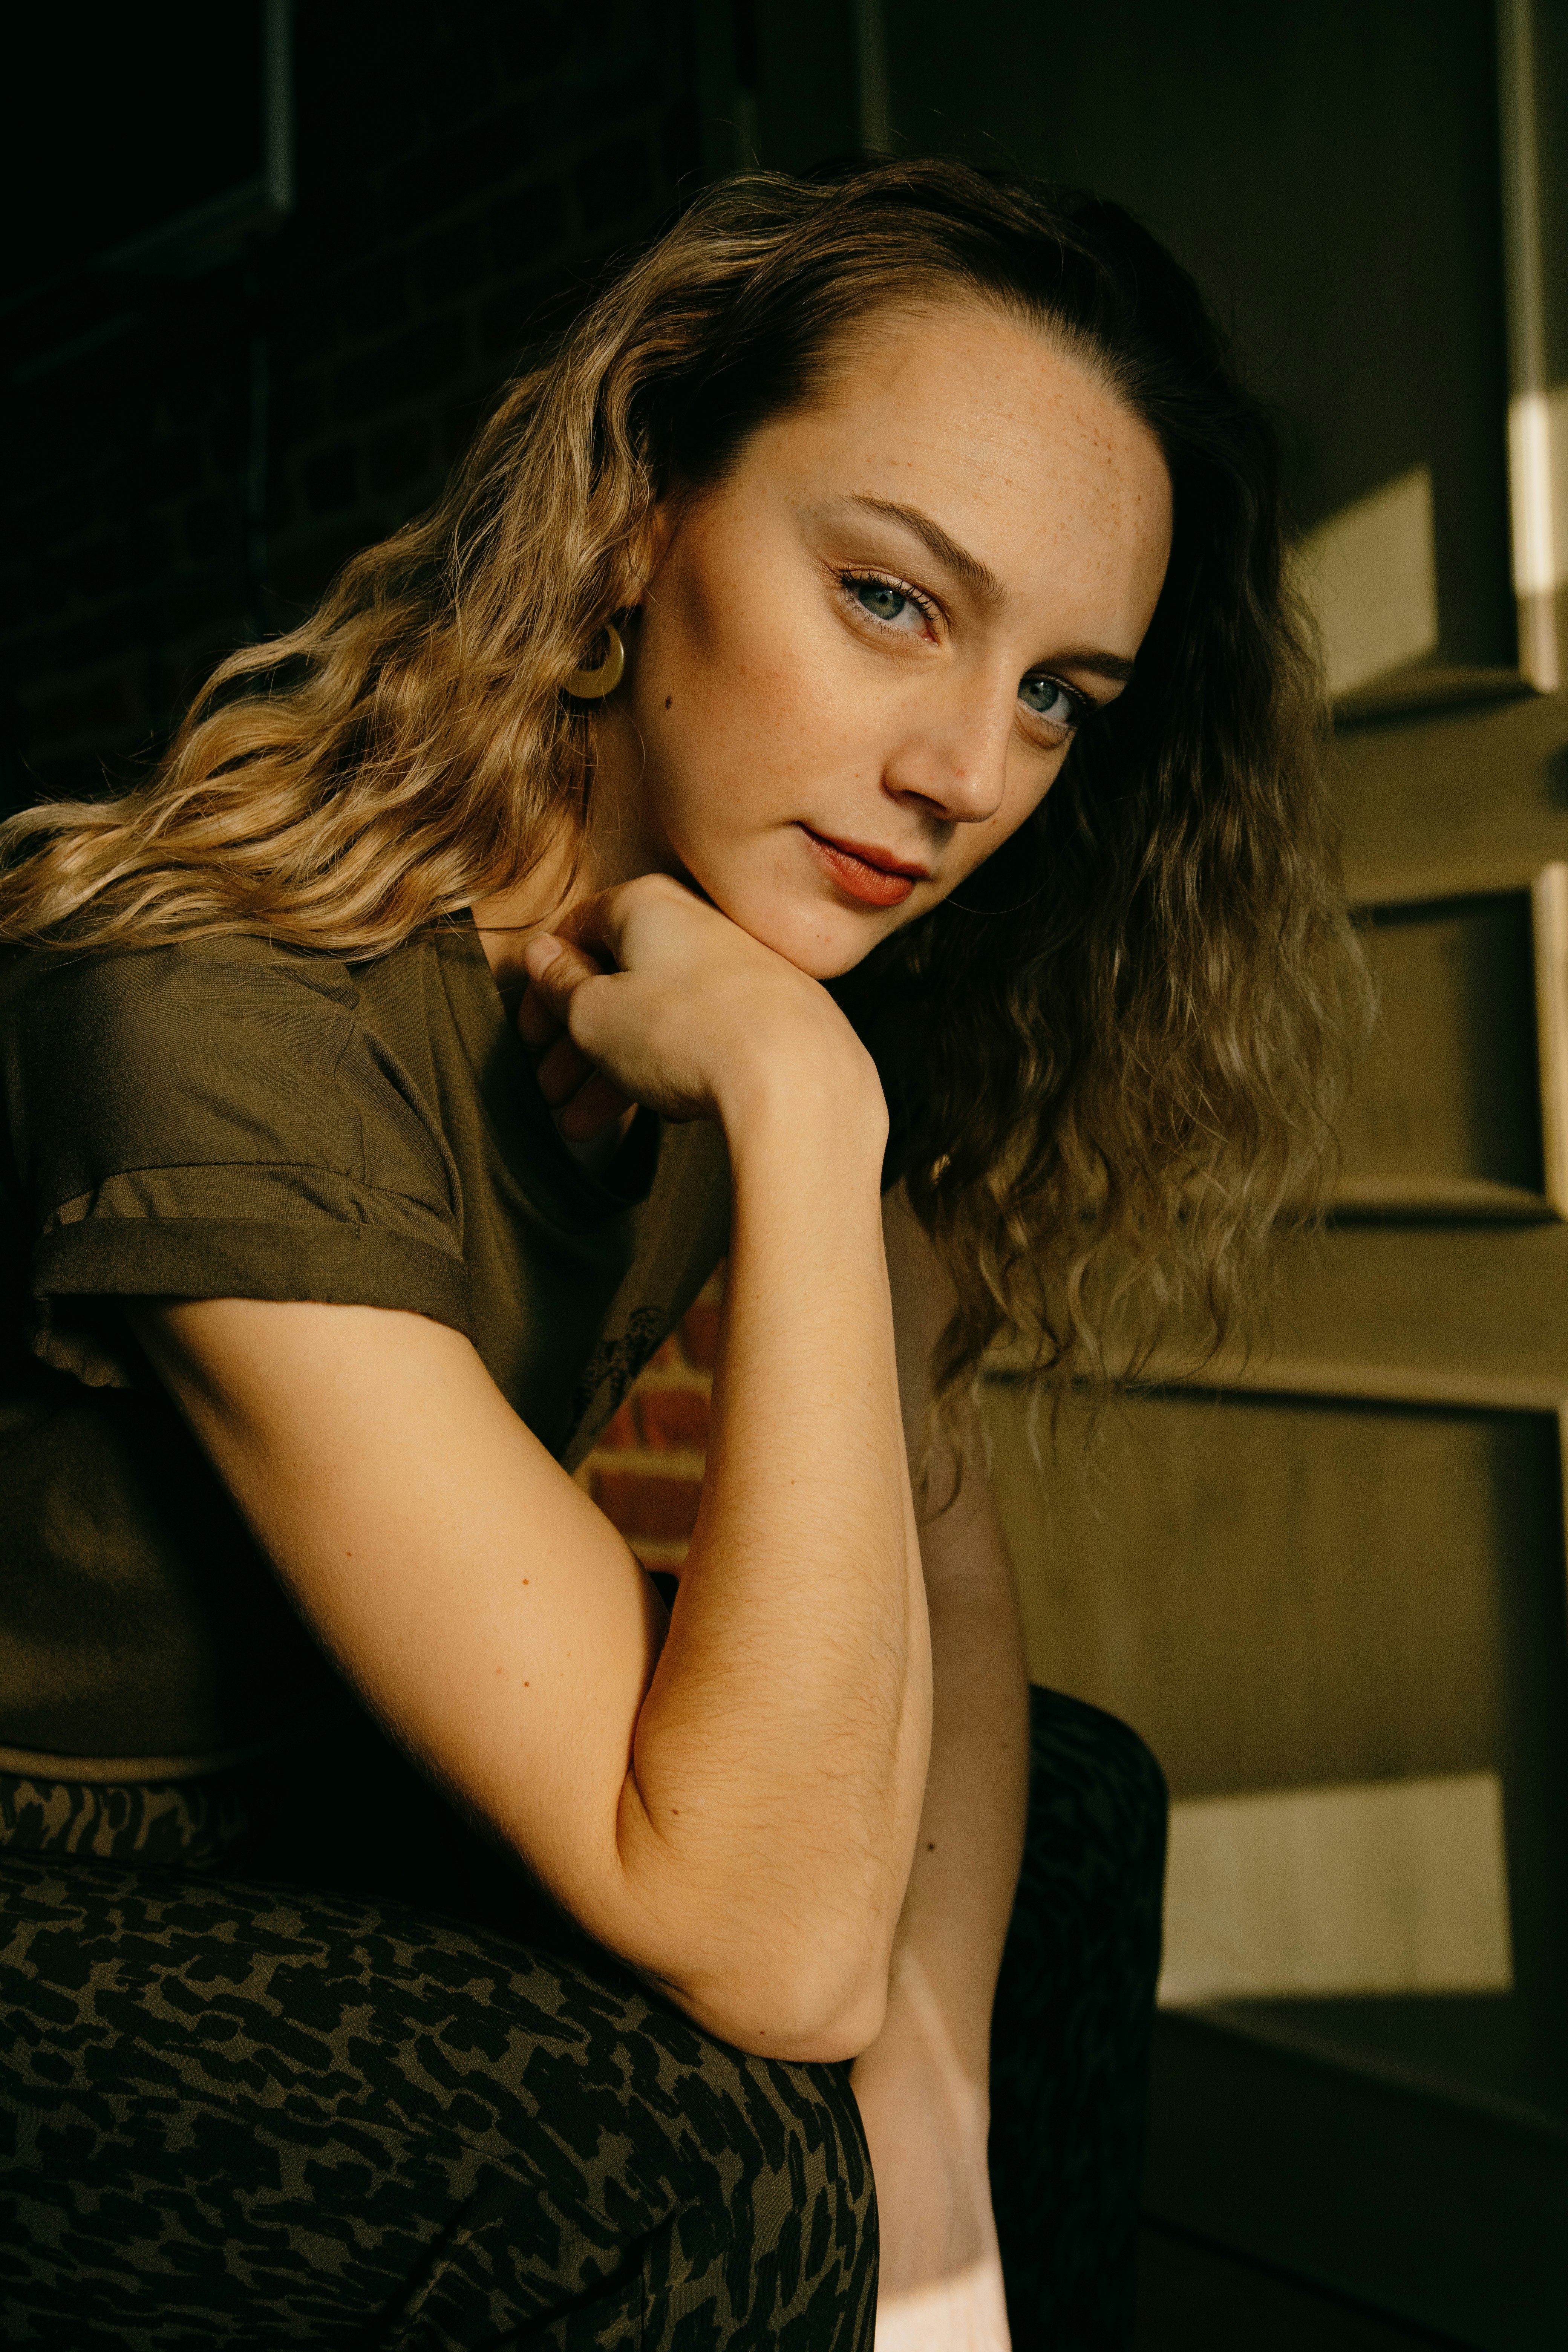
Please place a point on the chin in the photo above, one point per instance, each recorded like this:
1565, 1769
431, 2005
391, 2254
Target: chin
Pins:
823, 941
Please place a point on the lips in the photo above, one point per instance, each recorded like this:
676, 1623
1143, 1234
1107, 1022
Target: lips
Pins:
874, 876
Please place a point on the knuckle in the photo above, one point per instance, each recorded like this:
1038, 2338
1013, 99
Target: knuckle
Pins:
654, 890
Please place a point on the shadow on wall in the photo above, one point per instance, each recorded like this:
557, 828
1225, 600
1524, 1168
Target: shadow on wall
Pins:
1370, 574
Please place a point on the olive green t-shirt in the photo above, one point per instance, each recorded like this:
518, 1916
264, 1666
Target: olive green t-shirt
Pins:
236, 1119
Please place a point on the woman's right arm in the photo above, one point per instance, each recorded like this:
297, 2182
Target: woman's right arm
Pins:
733, 1810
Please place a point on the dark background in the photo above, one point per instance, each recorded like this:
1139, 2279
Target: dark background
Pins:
188, 459
125, 116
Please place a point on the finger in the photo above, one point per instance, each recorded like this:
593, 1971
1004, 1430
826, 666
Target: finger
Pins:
556, 967
560, 1070
594, 1108
590, 924
600, 923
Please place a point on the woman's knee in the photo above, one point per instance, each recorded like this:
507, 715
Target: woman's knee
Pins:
811, 2241
1098, 1797
540, 2108
746, 2182
1076, 1998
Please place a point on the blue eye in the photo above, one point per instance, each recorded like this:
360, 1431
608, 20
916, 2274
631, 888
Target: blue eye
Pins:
893, 605
884, 603
1052, 701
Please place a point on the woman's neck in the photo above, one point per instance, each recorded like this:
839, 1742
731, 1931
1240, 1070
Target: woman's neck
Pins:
614, 847
507, 919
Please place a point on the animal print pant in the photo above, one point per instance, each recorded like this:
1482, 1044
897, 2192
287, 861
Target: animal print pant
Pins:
244, 2116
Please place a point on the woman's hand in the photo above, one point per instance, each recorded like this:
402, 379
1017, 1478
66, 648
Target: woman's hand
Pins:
652, 997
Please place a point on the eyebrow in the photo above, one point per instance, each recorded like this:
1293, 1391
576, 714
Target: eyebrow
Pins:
946, 550
1116, 668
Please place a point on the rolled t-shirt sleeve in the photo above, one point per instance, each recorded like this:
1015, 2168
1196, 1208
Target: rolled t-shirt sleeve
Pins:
219, 1122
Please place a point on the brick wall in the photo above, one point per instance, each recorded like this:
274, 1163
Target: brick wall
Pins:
646, 1473
186, 462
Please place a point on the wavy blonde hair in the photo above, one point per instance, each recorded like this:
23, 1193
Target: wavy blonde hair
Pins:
1131, 1026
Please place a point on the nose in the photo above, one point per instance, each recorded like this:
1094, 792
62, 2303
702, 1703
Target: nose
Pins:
954, 759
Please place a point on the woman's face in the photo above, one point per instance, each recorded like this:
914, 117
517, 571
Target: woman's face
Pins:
862, 658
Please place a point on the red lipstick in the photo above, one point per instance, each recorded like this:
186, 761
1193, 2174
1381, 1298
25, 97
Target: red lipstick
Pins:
873, 875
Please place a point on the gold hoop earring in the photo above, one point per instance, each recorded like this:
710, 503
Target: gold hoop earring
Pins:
593, 685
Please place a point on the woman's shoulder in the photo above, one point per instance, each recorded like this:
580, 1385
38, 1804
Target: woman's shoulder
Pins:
233, 996
207, 1050
213, 1120
118, 984
53, 981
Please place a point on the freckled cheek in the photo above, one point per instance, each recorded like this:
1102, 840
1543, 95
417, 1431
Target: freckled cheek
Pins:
692, 670
756, 700
718, 769
725, 651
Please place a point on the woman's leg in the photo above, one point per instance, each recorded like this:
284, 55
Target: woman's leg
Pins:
233, 2116
1069, 2045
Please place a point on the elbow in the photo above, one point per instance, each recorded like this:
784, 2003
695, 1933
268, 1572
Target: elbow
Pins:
805, 2008
772, 1962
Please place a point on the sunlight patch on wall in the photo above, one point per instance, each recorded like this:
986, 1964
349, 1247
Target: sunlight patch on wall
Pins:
1394, 1886
1370, 574
1538, 453
1538, 480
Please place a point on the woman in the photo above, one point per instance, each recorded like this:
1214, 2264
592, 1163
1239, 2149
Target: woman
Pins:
681, 844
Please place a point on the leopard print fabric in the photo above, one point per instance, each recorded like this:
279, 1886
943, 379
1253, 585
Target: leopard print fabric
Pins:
189, 1824
1071, 2028
238, 2120
236, 2117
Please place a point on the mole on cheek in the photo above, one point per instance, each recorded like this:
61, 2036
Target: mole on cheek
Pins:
669, 701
